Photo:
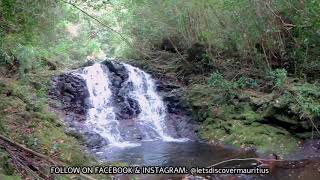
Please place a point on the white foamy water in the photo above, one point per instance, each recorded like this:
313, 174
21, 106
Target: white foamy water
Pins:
153, 111
101, 117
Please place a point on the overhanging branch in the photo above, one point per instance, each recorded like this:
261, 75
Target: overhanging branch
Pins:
106, 26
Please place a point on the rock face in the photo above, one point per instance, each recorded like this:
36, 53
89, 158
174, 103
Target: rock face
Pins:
94, 140
69, 95
179, 116
72, 92
127, 108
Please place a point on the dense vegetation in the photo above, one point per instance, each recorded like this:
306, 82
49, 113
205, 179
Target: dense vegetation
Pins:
250, 68
39, 38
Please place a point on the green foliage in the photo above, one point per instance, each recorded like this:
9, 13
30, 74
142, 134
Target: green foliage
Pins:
306, 51
263, 32
36, 33
241, 39
307, 97
217, 80
38, 129
279, 76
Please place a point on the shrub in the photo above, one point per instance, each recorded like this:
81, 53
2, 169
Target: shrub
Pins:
217, 80
279, 76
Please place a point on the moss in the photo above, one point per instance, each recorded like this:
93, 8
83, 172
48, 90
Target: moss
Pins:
248, 114
2, 87
264, 137
307, 99
49, 117
252, 118
201, 98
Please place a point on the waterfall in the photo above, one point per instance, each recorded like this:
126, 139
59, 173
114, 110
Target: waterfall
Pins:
101, 116
153, 110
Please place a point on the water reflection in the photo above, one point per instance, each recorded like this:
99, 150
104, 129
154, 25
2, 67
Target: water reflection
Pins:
159, 153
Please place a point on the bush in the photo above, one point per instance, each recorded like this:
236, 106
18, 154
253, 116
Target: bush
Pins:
217, 80
307, 97
279, 76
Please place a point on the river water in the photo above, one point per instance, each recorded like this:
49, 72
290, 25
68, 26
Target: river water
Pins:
161, 153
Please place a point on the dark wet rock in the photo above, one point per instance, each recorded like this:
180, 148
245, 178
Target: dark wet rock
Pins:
179, 117
175, 102
94, 140
71, 90
90, 138
181, 125
166, 87
130, 132
309, 149
126, 107
173, 96
118, 72
117, 81
179, 122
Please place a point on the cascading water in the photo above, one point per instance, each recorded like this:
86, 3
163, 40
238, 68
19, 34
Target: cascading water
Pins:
153, 110
101, 116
